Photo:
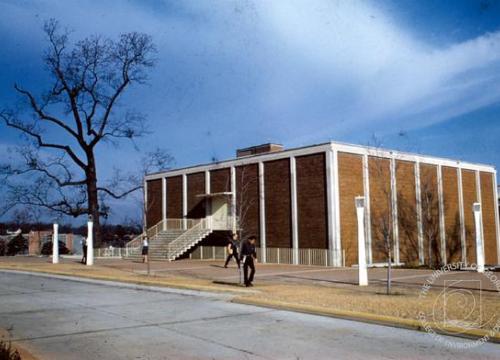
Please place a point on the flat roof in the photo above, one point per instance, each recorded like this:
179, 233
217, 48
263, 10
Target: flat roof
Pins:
311, 149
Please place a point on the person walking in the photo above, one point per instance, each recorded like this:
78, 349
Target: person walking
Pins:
232, 250
248, 255
84, 250
145, 250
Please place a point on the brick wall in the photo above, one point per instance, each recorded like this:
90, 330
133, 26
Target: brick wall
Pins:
311, 201
247, 199
488, 204
430, 205
220, 180
350, 185
174, 197
407, 212
34, 243
154, 202
195, 204
451, 214
278, 203
380, 205
470, 197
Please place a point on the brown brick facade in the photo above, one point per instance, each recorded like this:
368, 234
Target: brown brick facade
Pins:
407, 212
174, 197
489, 225
154, 202
311, 201
451, 204
312, 209
278, 203
220, 180
430, 213
195, 187
350, 168
470, 197
247, 199
380, 205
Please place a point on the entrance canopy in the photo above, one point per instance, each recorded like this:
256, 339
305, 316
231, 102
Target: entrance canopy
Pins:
219, 194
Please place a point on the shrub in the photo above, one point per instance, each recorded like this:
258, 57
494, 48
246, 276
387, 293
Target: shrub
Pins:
7, 352
17, 245
3, 247
47, 248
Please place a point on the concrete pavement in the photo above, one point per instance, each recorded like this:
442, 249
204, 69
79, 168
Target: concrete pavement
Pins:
64, 319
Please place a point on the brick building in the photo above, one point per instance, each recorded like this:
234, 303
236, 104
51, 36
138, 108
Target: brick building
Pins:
303, 198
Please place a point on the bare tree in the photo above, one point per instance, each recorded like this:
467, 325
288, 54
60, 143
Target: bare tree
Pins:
430, 220
408, 229
76, 113
247, 197
382, 215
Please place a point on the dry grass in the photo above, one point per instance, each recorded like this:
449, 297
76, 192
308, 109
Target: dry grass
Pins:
114, 274
405, 303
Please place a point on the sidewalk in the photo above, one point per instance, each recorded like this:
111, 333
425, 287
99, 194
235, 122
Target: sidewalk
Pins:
324, 291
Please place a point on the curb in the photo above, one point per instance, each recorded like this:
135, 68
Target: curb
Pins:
136, 285
390, 321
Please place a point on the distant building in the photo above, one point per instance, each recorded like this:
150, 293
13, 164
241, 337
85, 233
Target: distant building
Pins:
303, 198
36, 240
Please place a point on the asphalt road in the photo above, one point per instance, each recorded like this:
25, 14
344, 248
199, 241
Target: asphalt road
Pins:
65, 319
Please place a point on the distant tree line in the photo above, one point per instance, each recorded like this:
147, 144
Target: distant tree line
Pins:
113, 235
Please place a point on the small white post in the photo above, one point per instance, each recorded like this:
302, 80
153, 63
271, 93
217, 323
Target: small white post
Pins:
360, 210
90, 242
479, 237
55, 245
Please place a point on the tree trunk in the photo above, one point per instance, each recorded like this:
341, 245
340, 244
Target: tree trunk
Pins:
389, 274
93, 199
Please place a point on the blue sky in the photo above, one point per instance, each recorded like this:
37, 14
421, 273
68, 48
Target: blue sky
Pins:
422, 75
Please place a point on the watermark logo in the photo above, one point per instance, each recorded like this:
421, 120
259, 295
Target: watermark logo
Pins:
457, 305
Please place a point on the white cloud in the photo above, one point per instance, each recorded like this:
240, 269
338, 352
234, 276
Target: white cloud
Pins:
281, 69
386, 71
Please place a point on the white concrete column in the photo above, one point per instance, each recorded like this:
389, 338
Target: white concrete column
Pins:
461, 215
478, 221
90, 243
420, 228
184, 201
336, 187
368, 227
332, 258
442, 228
497, 220
164, 202
394, 205
208, 202
233, 199
262, 213
360, 212
295, 224
55, 245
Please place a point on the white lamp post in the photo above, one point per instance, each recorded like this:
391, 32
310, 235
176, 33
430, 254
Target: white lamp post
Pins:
55, 245
476, 207
90, 242
360, 210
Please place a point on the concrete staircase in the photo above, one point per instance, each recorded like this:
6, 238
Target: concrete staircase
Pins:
169, 244
185, 242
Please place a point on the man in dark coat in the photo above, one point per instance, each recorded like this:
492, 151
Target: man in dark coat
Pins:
248, 255
84, 250
232, 250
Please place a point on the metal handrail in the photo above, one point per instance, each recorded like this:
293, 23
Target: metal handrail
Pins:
201, 225
135, 242
176, 224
